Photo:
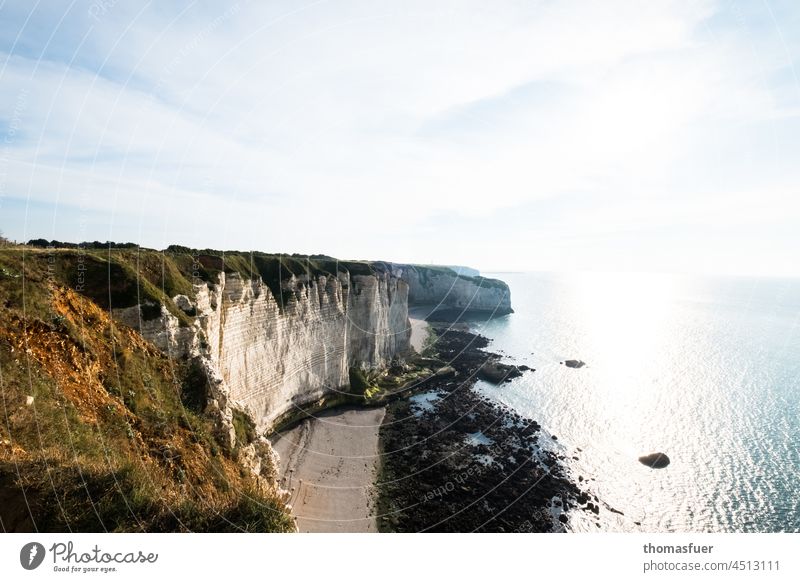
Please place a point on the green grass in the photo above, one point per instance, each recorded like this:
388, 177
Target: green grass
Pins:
244, 427
124, 499
427, 271
123, 277
194, 388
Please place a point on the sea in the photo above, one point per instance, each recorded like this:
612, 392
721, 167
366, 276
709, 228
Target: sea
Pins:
706, 370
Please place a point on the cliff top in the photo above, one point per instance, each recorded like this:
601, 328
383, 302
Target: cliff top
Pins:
121, 275
427, 271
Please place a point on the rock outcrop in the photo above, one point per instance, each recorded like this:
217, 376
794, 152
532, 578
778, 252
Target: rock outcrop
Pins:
270, 359
445, 289
497, 372
655, 460
274, 349
574, 363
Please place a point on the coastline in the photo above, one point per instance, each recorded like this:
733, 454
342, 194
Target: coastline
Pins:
328, 464
440, 458
330, 461
454, 461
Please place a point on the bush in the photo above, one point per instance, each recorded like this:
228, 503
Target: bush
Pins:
245, 428
194, 390
358, 381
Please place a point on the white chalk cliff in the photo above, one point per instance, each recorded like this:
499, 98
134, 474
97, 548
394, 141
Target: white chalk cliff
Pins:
444, 289
272, 360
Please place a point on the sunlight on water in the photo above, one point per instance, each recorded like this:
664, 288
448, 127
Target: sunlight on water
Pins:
624, 322
703, 370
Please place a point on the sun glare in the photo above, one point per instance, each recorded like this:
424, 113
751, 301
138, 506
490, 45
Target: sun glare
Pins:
624, 324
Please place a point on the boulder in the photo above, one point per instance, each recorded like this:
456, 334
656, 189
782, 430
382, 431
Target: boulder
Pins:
496, 372
445, 372
185, 304
574, 363
655, 460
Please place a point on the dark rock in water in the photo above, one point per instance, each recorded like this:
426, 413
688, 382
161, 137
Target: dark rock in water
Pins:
524, 368
445, 372
574, 363
655, 460
496, 372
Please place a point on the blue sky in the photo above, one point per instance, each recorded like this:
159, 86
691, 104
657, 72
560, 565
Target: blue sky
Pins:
550, 135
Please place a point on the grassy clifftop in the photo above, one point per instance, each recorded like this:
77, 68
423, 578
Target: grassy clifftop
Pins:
99, 430
426, 272
122, 276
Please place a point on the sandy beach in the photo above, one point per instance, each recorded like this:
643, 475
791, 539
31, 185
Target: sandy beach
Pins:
419, 327
329, 464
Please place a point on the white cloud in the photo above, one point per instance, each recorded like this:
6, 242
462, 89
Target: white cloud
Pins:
362, 120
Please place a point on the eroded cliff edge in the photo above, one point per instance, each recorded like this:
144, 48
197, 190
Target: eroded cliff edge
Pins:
273, 359
443, 289
274, 347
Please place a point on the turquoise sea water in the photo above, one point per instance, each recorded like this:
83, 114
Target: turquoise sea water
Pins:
706, 370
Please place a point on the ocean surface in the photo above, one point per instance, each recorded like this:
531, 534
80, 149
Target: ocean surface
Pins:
706, 370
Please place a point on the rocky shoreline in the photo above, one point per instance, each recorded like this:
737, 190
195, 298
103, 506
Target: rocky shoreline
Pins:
454, 461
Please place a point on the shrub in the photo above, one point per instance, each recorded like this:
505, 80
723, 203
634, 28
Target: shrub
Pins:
244, 426
194, 390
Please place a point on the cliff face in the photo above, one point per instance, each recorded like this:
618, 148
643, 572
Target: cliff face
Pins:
444, 288
272, 360
274, 349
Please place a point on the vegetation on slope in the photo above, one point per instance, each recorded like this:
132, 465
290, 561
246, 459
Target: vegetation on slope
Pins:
100, 431
117, 275
427, 271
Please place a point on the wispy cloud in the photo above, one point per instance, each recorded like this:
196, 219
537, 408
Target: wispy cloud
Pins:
351, 127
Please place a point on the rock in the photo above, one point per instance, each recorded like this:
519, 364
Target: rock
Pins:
655, 460
496, 372
329, 324
446, 372
260, 458
459, 295
185, 304
574, 363
29, 400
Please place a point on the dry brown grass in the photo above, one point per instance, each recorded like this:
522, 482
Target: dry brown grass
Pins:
106, 443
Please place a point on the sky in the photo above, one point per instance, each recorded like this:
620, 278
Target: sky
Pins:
517, 135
